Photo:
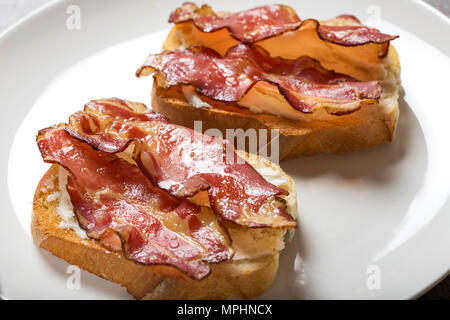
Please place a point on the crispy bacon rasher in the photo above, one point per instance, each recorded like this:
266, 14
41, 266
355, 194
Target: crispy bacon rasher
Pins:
184, 162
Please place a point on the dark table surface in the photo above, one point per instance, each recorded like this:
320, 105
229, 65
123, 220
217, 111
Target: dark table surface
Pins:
12, 10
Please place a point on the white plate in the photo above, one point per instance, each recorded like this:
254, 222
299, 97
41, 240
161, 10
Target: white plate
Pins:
383, 211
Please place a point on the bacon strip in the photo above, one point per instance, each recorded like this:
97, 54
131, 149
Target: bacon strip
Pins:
184, 162
269, 21
304, 83
110, 195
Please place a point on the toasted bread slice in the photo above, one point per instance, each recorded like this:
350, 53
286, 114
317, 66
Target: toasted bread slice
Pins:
320, 132
250, 272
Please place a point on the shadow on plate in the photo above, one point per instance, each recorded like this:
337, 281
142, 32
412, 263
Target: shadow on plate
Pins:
374, 164
386, 164
293, 275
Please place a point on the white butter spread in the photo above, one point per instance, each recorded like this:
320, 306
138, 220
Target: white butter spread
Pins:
276, 178
53, 196
273, 176
193, 99
65, 208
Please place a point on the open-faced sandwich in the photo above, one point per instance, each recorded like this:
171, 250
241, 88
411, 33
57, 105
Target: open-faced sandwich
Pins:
326, 86
164, 211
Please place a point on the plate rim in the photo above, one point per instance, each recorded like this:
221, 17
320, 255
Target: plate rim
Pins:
10, 30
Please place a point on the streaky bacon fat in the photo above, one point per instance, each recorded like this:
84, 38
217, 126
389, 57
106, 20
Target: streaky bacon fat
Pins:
184, 162
111, 195
303, 82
